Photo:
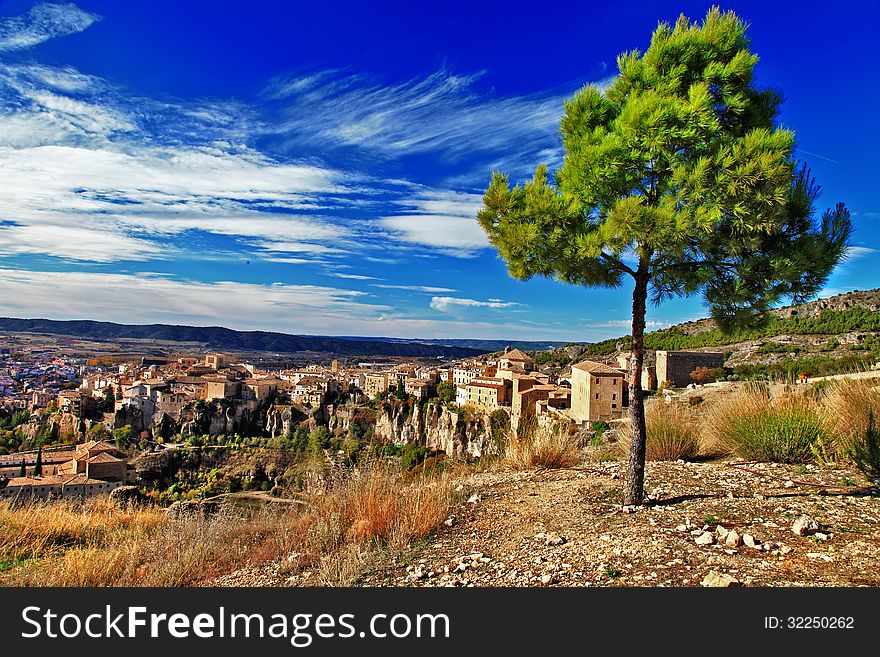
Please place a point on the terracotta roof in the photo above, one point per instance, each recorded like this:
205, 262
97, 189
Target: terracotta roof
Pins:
104, 457
52, 480
594, 367
516, 354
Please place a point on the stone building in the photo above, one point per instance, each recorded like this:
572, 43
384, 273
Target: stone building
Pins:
676, 366
597, 391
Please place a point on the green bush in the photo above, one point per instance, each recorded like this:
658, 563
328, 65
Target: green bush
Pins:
865, 452
412, 455
446, 391
752, 427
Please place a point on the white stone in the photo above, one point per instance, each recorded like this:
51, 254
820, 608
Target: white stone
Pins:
733, 539
705, 538
722, 580
805, 525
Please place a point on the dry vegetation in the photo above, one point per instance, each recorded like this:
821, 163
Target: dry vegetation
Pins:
340, 535
100, 543
541, 448
671, 434
831, 423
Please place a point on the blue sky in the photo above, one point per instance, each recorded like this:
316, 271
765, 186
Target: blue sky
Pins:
316, 167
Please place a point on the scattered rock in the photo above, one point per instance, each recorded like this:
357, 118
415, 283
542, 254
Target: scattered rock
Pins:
555, 539
473, 499
722, 580
804, 526
547, 579
449, 521
749, 541
128, 495
705, 538
733, 539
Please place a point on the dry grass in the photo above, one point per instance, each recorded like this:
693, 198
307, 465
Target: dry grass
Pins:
102, 544
543, 448
750, 425
671, 434
847, 407
376, 505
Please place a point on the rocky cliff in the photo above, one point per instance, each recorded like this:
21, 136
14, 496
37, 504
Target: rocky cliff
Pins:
432, 424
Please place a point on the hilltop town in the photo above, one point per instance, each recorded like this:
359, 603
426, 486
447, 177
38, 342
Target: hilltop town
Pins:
80, 404
466, 441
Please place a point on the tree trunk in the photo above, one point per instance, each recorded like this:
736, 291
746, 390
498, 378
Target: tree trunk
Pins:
634, 492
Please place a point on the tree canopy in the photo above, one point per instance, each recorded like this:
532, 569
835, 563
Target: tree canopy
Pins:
677, 166
676, 175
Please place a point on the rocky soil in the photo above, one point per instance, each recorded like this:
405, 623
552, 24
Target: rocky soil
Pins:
710, 524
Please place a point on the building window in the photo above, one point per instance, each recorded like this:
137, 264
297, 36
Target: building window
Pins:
614, 396
613, 405
597, 395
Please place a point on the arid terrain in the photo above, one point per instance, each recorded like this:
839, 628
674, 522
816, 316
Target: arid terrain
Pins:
567, 528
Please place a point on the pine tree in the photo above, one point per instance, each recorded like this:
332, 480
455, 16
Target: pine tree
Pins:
22, 472
38, 467
676, 179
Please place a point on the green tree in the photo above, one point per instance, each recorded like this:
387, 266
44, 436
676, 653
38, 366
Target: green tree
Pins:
22, 472
677, 180
123, 436
108, 404
446, 391
38, 466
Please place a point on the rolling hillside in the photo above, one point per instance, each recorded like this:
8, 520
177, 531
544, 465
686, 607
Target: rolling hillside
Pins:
825, 336
224, 339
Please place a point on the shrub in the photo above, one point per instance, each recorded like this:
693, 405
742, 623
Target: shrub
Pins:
865, 451
412, 454
752, 426
848, 408
544, 448
446, 391
102, 543
671, 434
702, 375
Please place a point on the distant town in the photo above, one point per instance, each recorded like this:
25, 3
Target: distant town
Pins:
101, 399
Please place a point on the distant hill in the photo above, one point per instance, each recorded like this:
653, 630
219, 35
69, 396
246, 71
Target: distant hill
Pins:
839, 333
224, 339
485, 346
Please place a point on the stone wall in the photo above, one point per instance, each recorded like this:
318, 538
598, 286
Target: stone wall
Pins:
676, 366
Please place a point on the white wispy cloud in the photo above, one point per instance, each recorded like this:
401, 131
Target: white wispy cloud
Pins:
442, 220
150, 297
41, 23
857, 252
356, 277
417, 288
442, 112
627, 323
446, 303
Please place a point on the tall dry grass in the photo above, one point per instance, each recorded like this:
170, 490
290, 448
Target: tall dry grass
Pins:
671, 434
753, 426
102, 544
542, 447
847, 408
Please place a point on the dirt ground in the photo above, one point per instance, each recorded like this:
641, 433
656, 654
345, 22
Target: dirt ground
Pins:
567, 528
